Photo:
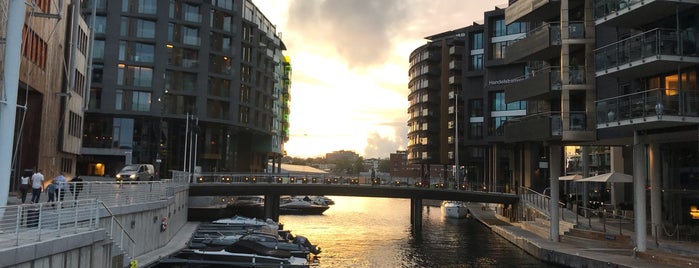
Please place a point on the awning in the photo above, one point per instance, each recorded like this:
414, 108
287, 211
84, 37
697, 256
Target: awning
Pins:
570, 177
608, 177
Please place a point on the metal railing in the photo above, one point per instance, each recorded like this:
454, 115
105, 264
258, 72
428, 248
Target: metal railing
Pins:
653, 102
540, 201
119, 233
31, 223
607, 7
650, 43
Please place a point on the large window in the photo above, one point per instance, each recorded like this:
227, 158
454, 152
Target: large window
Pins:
138, 52
180, 81
219, 87
220, 42
183, 34
183, 57
139, 6
180, 104
137, 76
217, 109
98, 49
137, 27
475, 108
475, 130
497, 103
220, 20
140, 101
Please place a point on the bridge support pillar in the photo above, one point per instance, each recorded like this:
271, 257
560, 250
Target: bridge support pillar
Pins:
416, 214
272, 207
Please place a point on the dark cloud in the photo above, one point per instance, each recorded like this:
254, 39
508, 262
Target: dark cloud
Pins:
358, 30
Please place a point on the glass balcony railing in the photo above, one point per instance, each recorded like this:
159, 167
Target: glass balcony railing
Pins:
651, 43
606, 7
655, 102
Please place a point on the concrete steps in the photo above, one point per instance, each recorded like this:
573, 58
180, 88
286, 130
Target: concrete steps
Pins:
541, 227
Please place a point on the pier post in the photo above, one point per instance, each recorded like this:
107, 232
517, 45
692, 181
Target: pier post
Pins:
272, 207
416, 213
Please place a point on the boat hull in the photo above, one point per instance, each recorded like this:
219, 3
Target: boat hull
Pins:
454, 210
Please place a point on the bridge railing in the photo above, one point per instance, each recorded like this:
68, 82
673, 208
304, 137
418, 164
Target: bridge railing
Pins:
31, 223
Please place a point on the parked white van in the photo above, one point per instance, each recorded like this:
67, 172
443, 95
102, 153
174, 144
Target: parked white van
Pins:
136, 172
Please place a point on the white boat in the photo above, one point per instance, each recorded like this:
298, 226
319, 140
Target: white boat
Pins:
240, 221
305, 206
454, 209
250, 201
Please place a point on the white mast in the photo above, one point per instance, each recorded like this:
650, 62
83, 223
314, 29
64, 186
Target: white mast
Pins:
8, 98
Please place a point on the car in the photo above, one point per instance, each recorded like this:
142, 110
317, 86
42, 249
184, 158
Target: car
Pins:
136, 172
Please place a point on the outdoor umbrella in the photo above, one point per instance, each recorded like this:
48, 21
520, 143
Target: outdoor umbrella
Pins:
608, 177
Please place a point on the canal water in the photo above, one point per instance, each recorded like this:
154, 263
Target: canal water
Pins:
376, 232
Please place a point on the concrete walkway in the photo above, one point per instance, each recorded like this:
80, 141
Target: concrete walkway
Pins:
566, 253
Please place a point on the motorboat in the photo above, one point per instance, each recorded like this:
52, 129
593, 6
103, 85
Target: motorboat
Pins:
250, 201
225, 258
297, 206
454, 209
245, 222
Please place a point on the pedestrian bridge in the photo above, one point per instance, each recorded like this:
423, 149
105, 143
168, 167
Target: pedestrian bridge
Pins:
272, 186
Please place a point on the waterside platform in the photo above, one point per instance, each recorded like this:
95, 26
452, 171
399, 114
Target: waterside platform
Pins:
581, 252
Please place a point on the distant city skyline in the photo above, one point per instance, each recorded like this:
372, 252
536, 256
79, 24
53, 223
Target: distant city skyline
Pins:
350, 67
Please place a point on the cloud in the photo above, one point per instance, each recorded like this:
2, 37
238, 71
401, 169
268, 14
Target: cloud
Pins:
358, 31
378, 146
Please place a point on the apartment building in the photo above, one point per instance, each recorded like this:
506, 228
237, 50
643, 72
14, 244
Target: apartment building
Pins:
182, 84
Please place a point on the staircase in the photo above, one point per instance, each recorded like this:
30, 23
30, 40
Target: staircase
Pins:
119, 236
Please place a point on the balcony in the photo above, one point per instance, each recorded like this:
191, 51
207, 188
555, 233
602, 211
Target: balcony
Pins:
542, 43
656, 108
652, 52
543, 84
525, 10
634, 13
537, 127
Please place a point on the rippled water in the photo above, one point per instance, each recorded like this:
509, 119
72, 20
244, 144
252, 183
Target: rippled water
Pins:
375, 232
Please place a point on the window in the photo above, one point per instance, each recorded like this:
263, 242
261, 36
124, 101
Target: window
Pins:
475, 130
180, 104
220, 20
98, 49
119, 100
138, 52
180, 81
139, 6
183, 57
138, 76
97, 71
140, 101
475, 108
477, 41
476, 63
95, 99
219, 87
227, 4
244, 115
499, 49
217, 109
499, 29
137, 27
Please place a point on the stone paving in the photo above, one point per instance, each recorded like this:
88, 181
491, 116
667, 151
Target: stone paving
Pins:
586, 253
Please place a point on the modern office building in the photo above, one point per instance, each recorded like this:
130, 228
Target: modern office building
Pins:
182, 84
52, 86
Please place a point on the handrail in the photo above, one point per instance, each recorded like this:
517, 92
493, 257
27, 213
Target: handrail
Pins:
117, 221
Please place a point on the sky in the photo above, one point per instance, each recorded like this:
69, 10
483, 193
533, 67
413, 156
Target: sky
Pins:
349, 86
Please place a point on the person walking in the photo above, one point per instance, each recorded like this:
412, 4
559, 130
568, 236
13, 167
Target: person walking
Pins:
24, 185
52, 190
37, 185
76, 186
62, 184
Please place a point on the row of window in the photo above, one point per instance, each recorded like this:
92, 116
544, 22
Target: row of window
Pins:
75, 124
34, 48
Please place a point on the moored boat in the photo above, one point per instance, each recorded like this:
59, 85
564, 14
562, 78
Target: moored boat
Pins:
454, 209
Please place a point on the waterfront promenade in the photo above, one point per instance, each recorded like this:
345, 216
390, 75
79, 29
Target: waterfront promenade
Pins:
587, 253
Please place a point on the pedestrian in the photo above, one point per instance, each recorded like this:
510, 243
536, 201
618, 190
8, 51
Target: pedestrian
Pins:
37, 185
76, 186
62, 186
52, 190
24, 185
